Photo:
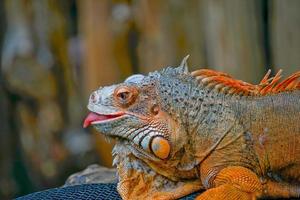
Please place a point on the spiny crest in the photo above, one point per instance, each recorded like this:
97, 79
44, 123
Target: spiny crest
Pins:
226, 84
273, 85
223, 82
181, 69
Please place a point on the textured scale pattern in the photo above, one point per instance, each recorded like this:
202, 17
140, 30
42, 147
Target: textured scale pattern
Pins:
82, 192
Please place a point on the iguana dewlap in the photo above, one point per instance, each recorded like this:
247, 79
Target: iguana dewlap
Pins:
178, 132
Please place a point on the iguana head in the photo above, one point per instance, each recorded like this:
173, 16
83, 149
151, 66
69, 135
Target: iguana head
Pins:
140, 112
154, 118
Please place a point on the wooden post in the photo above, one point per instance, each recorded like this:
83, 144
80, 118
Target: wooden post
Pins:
99, 68
285, 35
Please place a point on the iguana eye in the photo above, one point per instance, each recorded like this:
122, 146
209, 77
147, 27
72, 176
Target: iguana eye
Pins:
125, 96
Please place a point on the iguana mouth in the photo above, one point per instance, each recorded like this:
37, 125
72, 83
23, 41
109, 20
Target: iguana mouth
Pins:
146, 141
96, 118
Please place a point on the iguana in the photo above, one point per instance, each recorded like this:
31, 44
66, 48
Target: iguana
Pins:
178, 132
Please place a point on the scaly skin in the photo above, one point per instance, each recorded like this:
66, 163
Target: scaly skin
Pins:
178, 132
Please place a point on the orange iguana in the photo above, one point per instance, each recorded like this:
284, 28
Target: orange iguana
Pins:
178, 132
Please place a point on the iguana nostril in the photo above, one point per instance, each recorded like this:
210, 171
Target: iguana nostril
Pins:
160, 147
94, 97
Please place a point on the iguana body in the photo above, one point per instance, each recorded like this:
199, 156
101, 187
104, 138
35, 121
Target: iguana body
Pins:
178, 132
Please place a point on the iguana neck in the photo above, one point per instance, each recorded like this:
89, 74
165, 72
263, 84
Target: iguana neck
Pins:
204, 114
180, 97
192, 104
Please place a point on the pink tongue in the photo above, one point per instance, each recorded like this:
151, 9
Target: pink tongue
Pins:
93, 117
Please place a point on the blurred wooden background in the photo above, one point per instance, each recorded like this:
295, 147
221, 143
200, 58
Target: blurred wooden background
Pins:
54, 53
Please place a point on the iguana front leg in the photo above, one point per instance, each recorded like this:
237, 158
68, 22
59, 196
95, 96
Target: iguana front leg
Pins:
234, 183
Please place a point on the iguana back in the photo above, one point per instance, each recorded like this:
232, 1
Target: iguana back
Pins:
274, 127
